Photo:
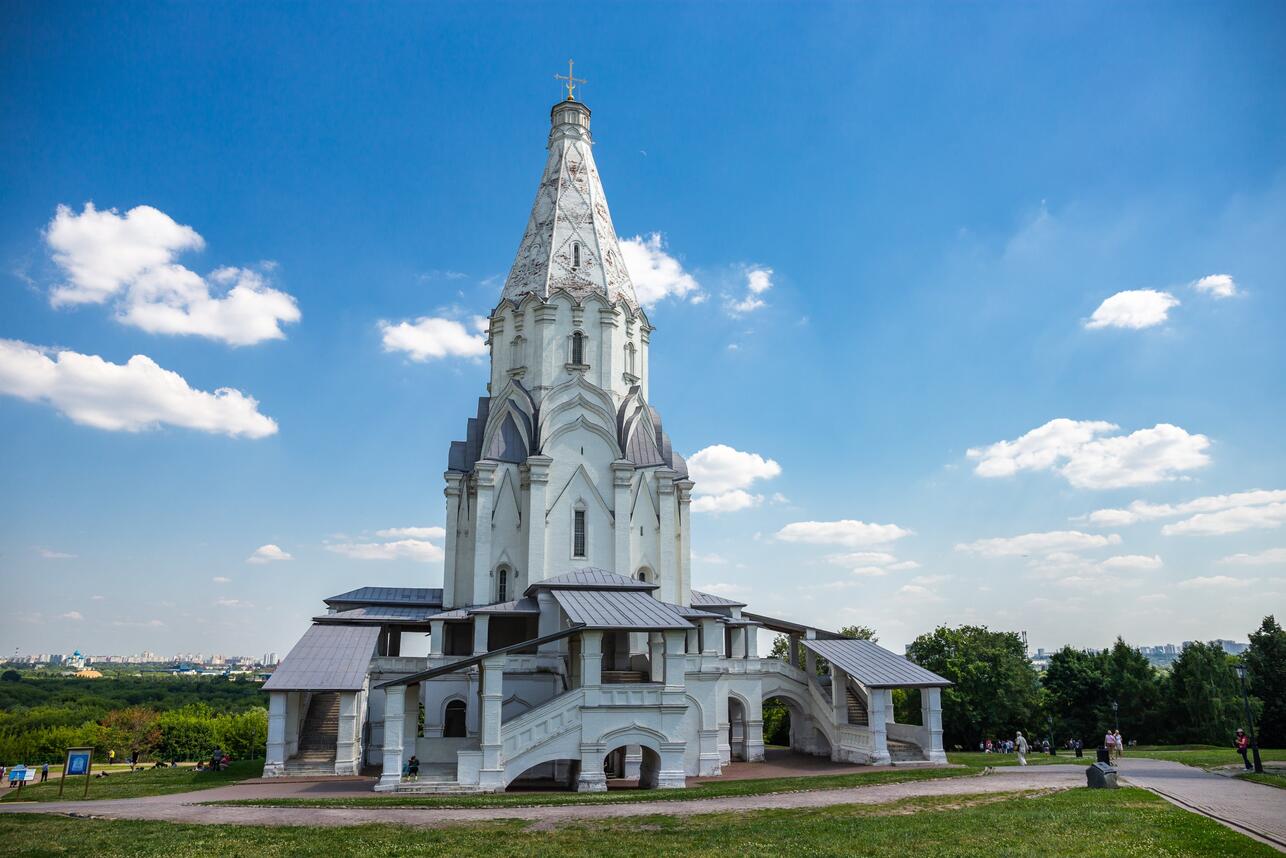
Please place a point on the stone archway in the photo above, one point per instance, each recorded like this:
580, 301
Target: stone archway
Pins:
737, 729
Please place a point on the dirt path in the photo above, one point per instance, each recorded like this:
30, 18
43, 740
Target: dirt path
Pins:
185, 807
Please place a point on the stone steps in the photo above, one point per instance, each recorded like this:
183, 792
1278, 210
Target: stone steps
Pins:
857, 713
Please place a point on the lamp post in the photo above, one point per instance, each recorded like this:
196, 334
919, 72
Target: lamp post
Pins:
1116, 715
1053, 751
1250, 719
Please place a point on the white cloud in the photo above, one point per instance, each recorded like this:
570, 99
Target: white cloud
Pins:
1233, 520
1144, 511
413, 532
233, 603
930, 580
1076, 450
1222, 582
97, 598
50, 554
1133, 309
732, 501
1263, 558
728, 591
758, 281
1217, 285
402, 549
904, 565
219, 579
73, 615
712, 558
869, 571
1133, 561
846, 532
861, 558
131, 397
655, 273
429, 338
722, 475
1055, 541
107, 255
268, 554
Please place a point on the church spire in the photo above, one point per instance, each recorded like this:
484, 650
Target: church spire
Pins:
570, 242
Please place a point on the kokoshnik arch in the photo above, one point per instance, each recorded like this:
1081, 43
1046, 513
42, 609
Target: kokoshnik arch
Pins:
566, 643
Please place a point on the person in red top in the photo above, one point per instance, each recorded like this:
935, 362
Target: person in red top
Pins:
1242, 744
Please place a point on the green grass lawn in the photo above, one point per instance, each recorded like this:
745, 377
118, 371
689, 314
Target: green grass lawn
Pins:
1202, 756
979, 760
1061, 824
715, 789
1276, 779
124, 784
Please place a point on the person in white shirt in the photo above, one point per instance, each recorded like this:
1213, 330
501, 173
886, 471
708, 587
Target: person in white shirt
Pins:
1109, 742
1020, 744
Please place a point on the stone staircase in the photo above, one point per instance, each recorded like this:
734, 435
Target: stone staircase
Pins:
857, 713
437, 779
317, 738
905, 753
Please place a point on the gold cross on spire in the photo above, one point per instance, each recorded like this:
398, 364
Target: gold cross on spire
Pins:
571, 81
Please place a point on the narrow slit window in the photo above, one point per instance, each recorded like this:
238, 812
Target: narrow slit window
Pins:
502, 585
575, 255
578, 535
578, 348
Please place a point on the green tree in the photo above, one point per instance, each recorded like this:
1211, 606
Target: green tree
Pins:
1266, 664
134, 729
1074, 687
1205, 700
1131, 682
995, 690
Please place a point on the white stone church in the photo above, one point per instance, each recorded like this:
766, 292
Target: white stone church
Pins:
566, 645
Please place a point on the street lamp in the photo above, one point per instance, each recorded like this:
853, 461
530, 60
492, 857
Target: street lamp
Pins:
1116, 715
1250, 719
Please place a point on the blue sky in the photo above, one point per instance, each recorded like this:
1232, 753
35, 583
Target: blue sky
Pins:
945, 198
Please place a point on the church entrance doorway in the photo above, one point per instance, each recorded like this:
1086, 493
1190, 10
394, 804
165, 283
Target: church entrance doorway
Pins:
737, 729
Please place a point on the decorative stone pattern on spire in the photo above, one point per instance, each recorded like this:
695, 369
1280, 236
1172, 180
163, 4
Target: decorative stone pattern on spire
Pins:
570, 242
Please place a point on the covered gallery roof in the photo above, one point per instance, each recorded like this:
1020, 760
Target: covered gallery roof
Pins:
709, 600
426, 596
327, 658
379, 614
619, 609
590, 578
874, 666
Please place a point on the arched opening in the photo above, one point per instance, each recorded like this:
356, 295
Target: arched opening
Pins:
578, 349
453, 721
649, 769
550, 775
629, 358
502, 584
788, 729
737, 729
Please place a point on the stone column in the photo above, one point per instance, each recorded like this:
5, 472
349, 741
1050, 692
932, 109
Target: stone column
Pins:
752, 642
676, 659
591, 662
890, 717
411, 720
394, 719
931, 718
485, 474
609, 363
437, 637
492, 774
452, 492
622, 474
693, 643
667, 574
711, 638
755, 731
878, 718
656, 656
348, 741
738, 642
839, 699
538, 477
810, 658
684, 564
274, 764
794, 651
481, 626
549, 621
294, 720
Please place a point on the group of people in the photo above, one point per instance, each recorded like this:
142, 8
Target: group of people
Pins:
18, 774
1114, 744
219, 760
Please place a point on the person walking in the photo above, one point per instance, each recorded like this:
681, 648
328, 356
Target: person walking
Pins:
1120, 743
44, 773
1020, 744
1242, 744
1109, 742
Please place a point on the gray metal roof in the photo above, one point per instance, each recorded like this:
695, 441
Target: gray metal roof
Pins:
519, 606
327, 658
619, 609
590, 578
697, 614
379, 614
874, 666
390, 596
707, 600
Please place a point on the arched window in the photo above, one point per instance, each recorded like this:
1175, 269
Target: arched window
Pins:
515, 352
578, 349
578, 534
575, 255
453, 724
502, 584
629, 358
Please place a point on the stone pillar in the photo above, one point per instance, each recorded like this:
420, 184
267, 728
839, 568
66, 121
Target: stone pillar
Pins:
452, 492
549, 356
810, 658
622, 474
492, 774
274, 764
538, 478
752, 642
676, 659
437, 637
878, 718
656, 656
738, 642
931, 718
755, 731
485, 474
549, 621
724, 725
693, 643
711, 637
394, 719
793, 656
591, 663
411, 720
591, 777
610, 361
481, 626
294, 720
667, 574
348, 742
839, 699
685, 543
890, 717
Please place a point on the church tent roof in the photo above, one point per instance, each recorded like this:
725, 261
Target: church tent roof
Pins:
327, 658
874, 666
619, 609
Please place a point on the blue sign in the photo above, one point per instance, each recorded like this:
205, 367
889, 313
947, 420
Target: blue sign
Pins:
78, 762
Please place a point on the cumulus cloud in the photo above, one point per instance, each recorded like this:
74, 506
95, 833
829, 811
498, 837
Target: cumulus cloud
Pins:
1264, 558
1039, 543
1144, 511
1133, 309
73, 615
50, 554
268, 554
220, 579
1234, 520
418, 550
429, 337
413, 532
846, 532
131, 258
1221, 582
758, 281
728, 591
1077, 450
722, 474
861, 558
1133, 561
655, 273
131, 397
1217, 285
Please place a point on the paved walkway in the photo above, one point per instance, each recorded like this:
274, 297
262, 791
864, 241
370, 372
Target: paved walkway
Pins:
1247, 807
186, 807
